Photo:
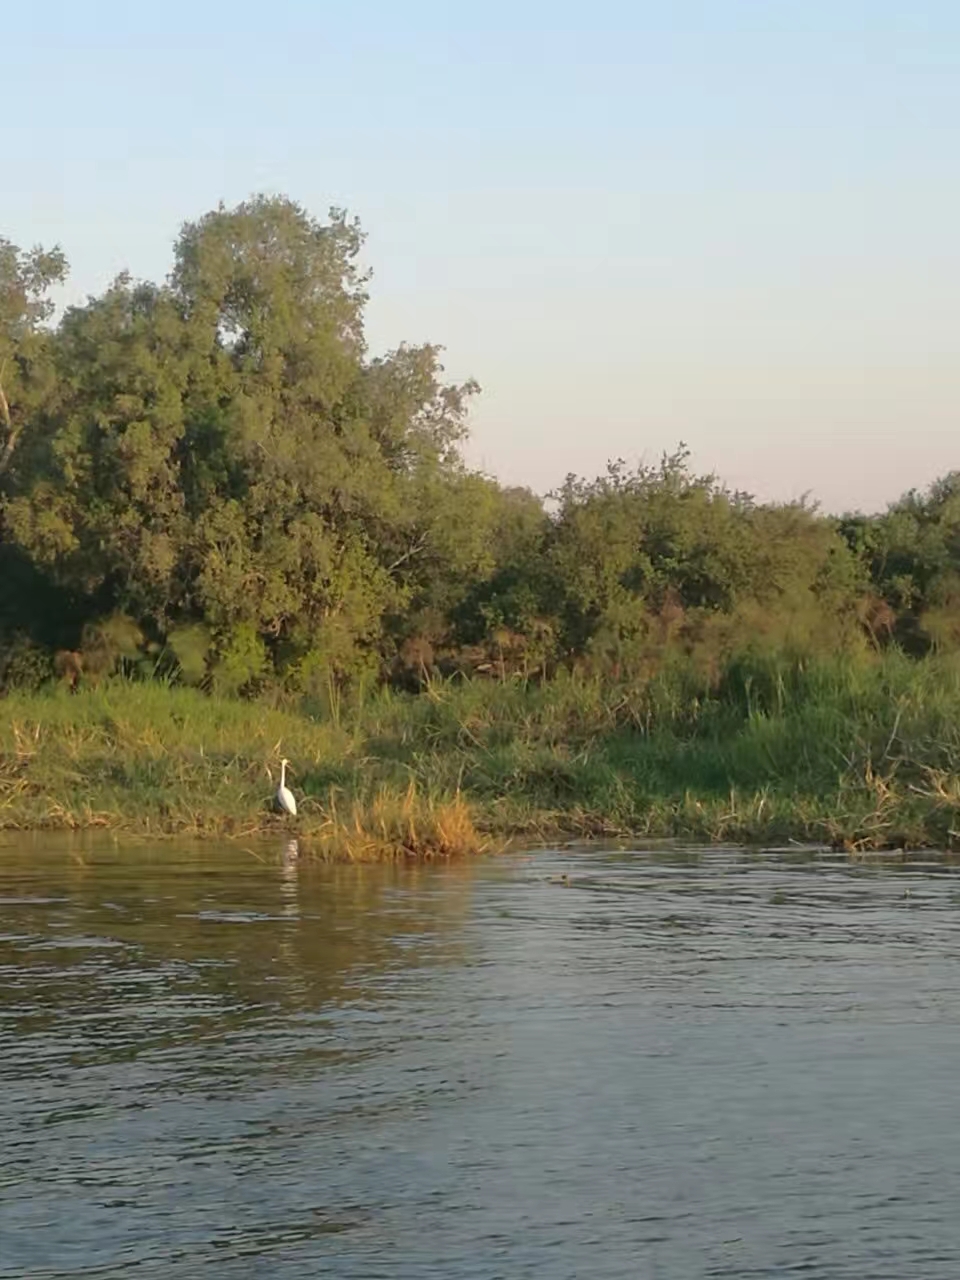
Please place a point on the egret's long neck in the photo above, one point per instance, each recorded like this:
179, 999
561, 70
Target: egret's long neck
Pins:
283, 773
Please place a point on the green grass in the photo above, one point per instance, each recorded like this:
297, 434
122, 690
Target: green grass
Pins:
861, 755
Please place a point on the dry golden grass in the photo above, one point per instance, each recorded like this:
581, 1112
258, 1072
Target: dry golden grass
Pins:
391, 825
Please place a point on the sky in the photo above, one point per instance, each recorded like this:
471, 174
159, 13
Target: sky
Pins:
731, 223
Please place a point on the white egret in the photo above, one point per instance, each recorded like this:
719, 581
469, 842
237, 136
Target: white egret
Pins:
284, 795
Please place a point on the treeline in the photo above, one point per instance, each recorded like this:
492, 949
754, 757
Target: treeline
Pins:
211, 480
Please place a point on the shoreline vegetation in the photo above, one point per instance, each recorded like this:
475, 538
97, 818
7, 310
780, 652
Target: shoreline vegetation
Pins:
229, 532
857, 756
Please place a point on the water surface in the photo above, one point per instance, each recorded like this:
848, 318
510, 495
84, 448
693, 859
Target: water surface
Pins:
591, 1064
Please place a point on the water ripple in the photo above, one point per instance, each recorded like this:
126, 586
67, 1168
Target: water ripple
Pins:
605, 1064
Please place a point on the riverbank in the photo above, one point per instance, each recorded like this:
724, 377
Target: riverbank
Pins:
859, 756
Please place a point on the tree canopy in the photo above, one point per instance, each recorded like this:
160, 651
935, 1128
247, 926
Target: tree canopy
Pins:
212, 477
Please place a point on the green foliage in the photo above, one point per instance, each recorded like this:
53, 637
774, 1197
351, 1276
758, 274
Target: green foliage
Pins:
113, 644
241, 662
218, 461
219, 448
25, 382
912, 556
24, 664
191, 646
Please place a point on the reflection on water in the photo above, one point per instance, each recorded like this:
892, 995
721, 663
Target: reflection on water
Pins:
568, 1065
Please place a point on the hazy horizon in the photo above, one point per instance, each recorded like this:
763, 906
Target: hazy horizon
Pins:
631, 226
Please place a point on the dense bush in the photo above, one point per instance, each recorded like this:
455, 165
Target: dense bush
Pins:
211, 480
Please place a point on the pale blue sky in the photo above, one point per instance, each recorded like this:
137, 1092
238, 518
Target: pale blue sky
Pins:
733, 223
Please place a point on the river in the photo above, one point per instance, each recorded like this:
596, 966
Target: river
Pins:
669, 1064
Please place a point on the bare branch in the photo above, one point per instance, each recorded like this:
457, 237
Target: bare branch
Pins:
4, 405
11, 435
408, 554
6, 453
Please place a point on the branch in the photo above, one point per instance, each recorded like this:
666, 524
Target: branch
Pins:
12, 435
4, 405
6, 453
409, 554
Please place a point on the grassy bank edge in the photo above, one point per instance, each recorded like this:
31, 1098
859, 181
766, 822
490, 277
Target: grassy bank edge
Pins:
864, 760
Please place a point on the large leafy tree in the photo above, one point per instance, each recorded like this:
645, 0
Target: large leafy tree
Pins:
26, 279
31, 607
222, 450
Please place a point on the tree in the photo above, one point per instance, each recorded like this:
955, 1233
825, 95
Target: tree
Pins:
25, 281
912, 555
221, 450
